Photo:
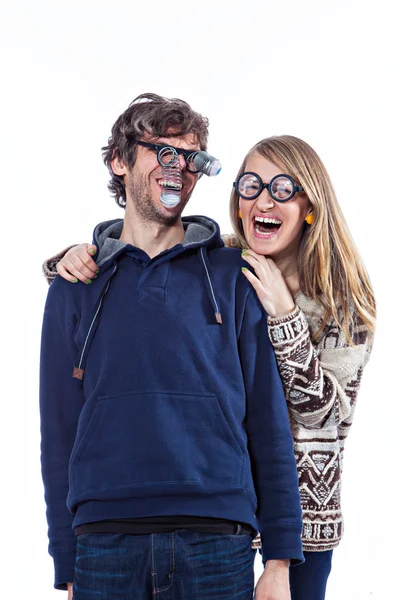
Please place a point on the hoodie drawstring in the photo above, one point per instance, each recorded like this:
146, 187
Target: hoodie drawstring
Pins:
207, 267
79, 370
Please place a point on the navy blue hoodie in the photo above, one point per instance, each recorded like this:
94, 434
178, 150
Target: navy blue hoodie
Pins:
160, 395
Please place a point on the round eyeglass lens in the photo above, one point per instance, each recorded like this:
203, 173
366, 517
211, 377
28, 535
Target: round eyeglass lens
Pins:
167, 156
281, 188
248, 185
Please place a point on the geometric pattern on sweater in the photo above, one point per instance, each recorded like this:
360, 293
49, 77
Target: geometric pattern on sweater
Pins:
321, 381
319, 477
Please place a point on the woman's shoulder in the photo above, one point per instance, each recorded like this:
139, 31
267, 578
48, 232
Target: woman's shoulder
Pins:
332, 336
231, 240
312, 309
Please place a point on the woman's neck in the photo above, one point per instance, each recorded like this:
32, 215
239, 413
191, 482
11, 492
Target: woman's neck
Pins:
288, 267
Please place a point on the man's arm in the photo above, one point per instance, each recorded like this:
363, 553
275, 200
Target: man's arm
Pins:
270, 441
61, 401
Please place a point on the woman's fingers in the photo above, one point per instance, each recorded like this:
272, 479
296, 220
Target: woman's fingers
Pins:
267, 262
61, 270
84, 252
77, 264
250, 252
269, 284
262, 271
75, 267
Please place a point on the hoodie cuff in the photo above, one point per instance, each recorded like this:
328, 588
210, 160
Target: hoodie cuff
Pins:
64, 565
287, 330
282, 545
49, 266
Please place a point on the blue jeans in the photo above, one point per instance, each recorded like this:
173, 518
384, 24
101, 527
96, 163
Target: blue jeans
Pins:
182, 565
308, 580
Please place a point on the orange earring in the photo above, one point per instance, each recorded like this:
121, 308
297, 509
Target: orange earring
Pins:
239, 213
309, 219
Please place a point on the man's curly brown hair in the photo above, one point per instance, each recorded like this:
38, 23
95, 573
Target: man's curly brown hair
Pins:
155, 115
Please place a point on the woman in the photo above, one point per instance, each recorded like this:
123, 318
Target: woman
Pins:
321, 314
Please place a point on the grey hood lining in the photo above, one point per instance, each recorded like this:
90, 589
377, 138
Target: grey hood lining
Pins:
197, 230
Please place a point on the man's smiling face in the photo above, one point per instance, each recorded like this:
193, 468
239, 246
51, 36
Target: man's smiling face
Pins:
144, 183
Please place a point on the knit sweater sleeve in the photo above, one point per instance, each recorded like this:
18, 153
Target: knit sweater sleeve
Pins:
49, 266
321, 381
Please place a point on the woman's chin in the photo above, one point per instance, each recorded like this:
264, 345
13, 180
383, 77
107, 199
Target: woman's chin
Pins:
263, 246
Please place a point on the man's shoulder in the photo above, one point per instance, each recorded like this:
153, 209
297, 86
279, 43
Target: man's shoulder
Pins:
64, 293
226, 255
226, 265
227, 262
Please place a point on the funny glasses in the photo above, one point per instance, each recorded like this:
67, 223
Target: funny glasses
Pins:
197, 161
281, 187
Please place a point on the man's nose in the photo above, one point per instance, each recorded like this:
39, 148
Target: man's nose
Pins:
182, 161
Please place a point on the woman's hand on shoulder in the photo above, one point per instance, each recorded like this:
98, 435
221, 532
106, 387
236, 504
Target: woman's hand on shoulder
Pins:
269, 284
78, 264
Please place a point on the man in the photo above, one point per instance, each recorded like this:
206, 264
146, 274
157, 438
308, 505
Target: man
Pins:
165, 435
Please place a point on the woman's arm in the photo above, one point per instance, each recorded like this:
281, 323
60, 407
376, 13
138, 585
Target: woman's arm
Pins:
76, 263
73, 263
321, 381
270, 443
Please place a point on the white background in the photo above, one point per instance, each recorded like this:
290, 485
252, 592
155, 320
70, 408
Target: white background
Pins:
324, 71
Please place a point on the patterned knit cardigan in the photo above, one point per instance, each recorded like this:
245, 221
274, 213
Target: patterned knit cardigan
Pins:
321, 382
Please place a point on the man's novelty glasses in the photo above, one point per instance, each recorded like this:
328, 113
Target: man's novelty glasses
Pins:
167, 155
281, 187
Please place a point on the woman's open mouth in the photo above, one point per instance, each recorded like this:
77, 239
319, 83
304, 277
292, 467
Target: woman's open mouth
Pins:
266, 227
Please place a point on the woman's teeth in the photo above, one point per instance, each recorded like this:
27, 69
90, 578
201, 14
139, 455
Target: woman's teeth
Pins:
266, 226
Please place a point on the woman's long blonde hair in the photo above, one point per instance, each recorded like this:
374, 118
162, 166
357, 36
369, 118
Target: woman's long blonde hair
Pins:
330, 269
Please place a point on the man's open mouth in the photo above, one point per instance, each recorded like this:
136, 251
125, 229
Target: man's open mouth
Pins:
168, 184
266, 226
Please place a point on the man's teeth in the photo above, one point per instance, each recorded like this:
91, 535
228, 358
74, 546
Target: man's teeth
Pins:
267, 220
170, 184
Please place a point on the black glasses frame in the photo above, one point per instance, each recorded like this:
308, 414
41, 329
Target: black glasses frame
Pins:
267, 186
188, 154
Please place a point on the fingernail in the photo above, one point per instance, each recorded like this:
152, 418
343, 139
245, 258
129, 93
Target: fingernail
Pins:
95, 277
92, 251
89, 281
74, 280
97, 271
244, 269
243, 252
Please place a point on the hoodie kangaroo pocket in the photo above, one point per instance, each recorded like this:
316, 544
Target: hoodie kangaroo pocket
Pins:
156, 437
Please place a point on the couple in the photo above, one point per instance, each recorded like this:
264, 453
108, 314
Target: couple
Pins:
167, 435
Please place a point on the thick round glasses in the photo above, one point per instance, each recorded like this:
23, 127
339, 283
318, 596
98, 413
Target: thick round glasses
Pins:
167, 155
281, 187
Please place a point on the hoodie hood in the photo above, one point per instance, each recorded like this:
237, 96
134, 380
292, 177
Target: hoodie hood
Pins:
199, 231
201, 234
